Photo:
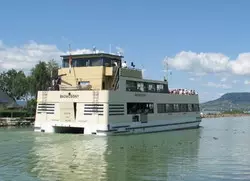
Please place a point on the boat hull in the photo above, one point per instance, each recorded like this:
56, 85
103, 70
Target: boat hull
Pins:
60, 127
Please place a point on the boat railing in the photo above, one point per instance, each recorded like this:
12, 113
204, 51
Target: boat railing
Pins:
70, 88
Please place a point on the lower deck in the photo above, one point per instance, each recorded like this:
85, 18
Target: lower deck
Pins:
114, 114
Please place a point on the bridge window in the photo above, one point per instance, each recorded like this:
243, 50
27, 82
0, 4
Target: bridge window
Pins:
131, 86
137, 108
96, 62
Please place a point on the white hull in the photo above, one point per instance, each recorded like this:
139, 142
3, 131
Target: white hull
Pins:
122, 128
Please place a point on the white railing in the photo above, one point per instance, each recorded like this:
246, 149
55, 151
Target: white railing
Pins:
87, 87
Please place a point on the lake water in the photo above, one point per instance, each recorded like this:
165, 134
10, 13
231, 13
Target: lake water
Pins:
219, 150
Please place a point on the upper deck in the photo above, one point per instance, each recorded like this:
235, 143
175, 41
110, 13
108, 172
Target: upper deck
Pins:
102, 71
96, 71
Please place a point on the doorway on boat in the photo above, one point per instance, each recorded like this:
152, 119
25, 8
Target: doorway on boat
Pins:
70, 130
75, 109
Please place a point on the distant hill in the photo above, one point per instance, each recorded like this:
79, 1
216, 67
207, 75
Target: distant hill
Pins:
236, 100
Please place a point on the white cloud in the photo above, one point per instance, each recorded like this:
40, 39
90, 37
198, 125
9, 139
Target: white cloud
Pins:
192, 79
198, 74
241, 66
210, 62
24, 57
247, 82
235, 81
212, 84
224, 79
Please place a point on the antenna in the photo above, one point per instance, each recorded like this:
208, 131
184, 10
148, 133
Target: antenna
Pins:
166, 67
94, 49
143, 70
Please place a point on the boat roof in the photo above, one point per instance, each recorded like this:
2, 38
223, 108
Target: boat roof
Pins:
93, 55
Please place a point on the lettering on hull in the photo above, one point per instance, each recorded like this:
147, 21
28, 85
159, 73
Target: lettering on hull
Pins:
69, 96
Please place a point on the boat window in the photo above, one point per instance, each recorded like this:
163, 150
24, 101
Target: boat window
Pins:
196, 107
190, 107
131, 85
96, 62
65, 63
82, 62
137, 108
135, 86
176, 108
151, 87
107, 62
159, 87
170, 107
161, 108
140, 86
183, 107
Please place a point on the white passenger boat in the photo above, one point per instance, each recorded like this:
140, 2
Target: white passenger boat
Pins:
97, 94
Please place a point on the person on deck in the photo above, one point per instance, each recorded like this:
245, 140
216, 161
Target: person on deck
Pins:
124, 64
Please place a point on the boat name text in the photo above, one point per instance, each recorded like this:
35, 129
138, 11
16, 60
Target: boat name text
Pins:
69, 96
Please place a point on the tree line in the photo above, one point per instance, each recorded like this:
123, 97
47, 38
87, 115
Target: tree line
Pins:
19, 86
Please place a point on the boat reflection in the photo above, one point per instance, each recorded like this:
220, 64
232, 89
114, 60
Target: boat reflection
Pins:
156, 156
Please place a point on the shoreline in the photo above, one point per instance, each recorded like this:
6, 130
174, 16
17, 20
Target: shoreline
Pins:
224, 115
16, 122
19, 122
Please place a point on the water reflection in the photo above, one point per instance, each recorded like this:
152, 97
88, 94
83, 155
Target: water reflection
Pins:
157, 156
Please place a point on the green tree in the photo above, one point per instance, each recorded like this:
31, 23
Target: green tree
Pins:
31, 107
15, 84
52, 67
40, 78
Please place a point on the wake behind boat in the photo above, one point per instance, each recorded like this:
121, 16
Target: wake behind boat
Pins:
99, 94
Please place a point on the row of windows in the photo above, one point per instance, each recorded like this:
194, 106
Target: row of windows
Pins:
86, 62
168, 108
135, 86
138, 108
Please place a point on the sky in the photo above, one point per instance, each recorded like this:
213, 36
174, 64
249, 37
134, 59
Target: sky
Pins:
206, 44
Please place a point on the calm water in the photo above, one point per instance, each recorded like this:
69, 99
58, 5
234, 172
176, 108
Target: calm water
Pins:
218, 151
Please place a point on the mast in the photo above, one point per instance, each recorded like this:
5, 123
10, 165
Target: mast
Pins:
166, 69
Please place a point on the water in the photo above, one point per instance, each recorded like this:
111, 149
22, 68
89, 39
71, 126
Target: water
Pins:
218, 151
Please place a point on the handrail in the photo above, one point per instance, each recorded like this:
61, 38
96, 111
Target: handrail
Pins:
116, 78
76, 87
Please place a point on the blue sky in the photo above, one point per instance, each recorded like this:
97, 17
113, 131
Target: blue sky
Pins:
206, 42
